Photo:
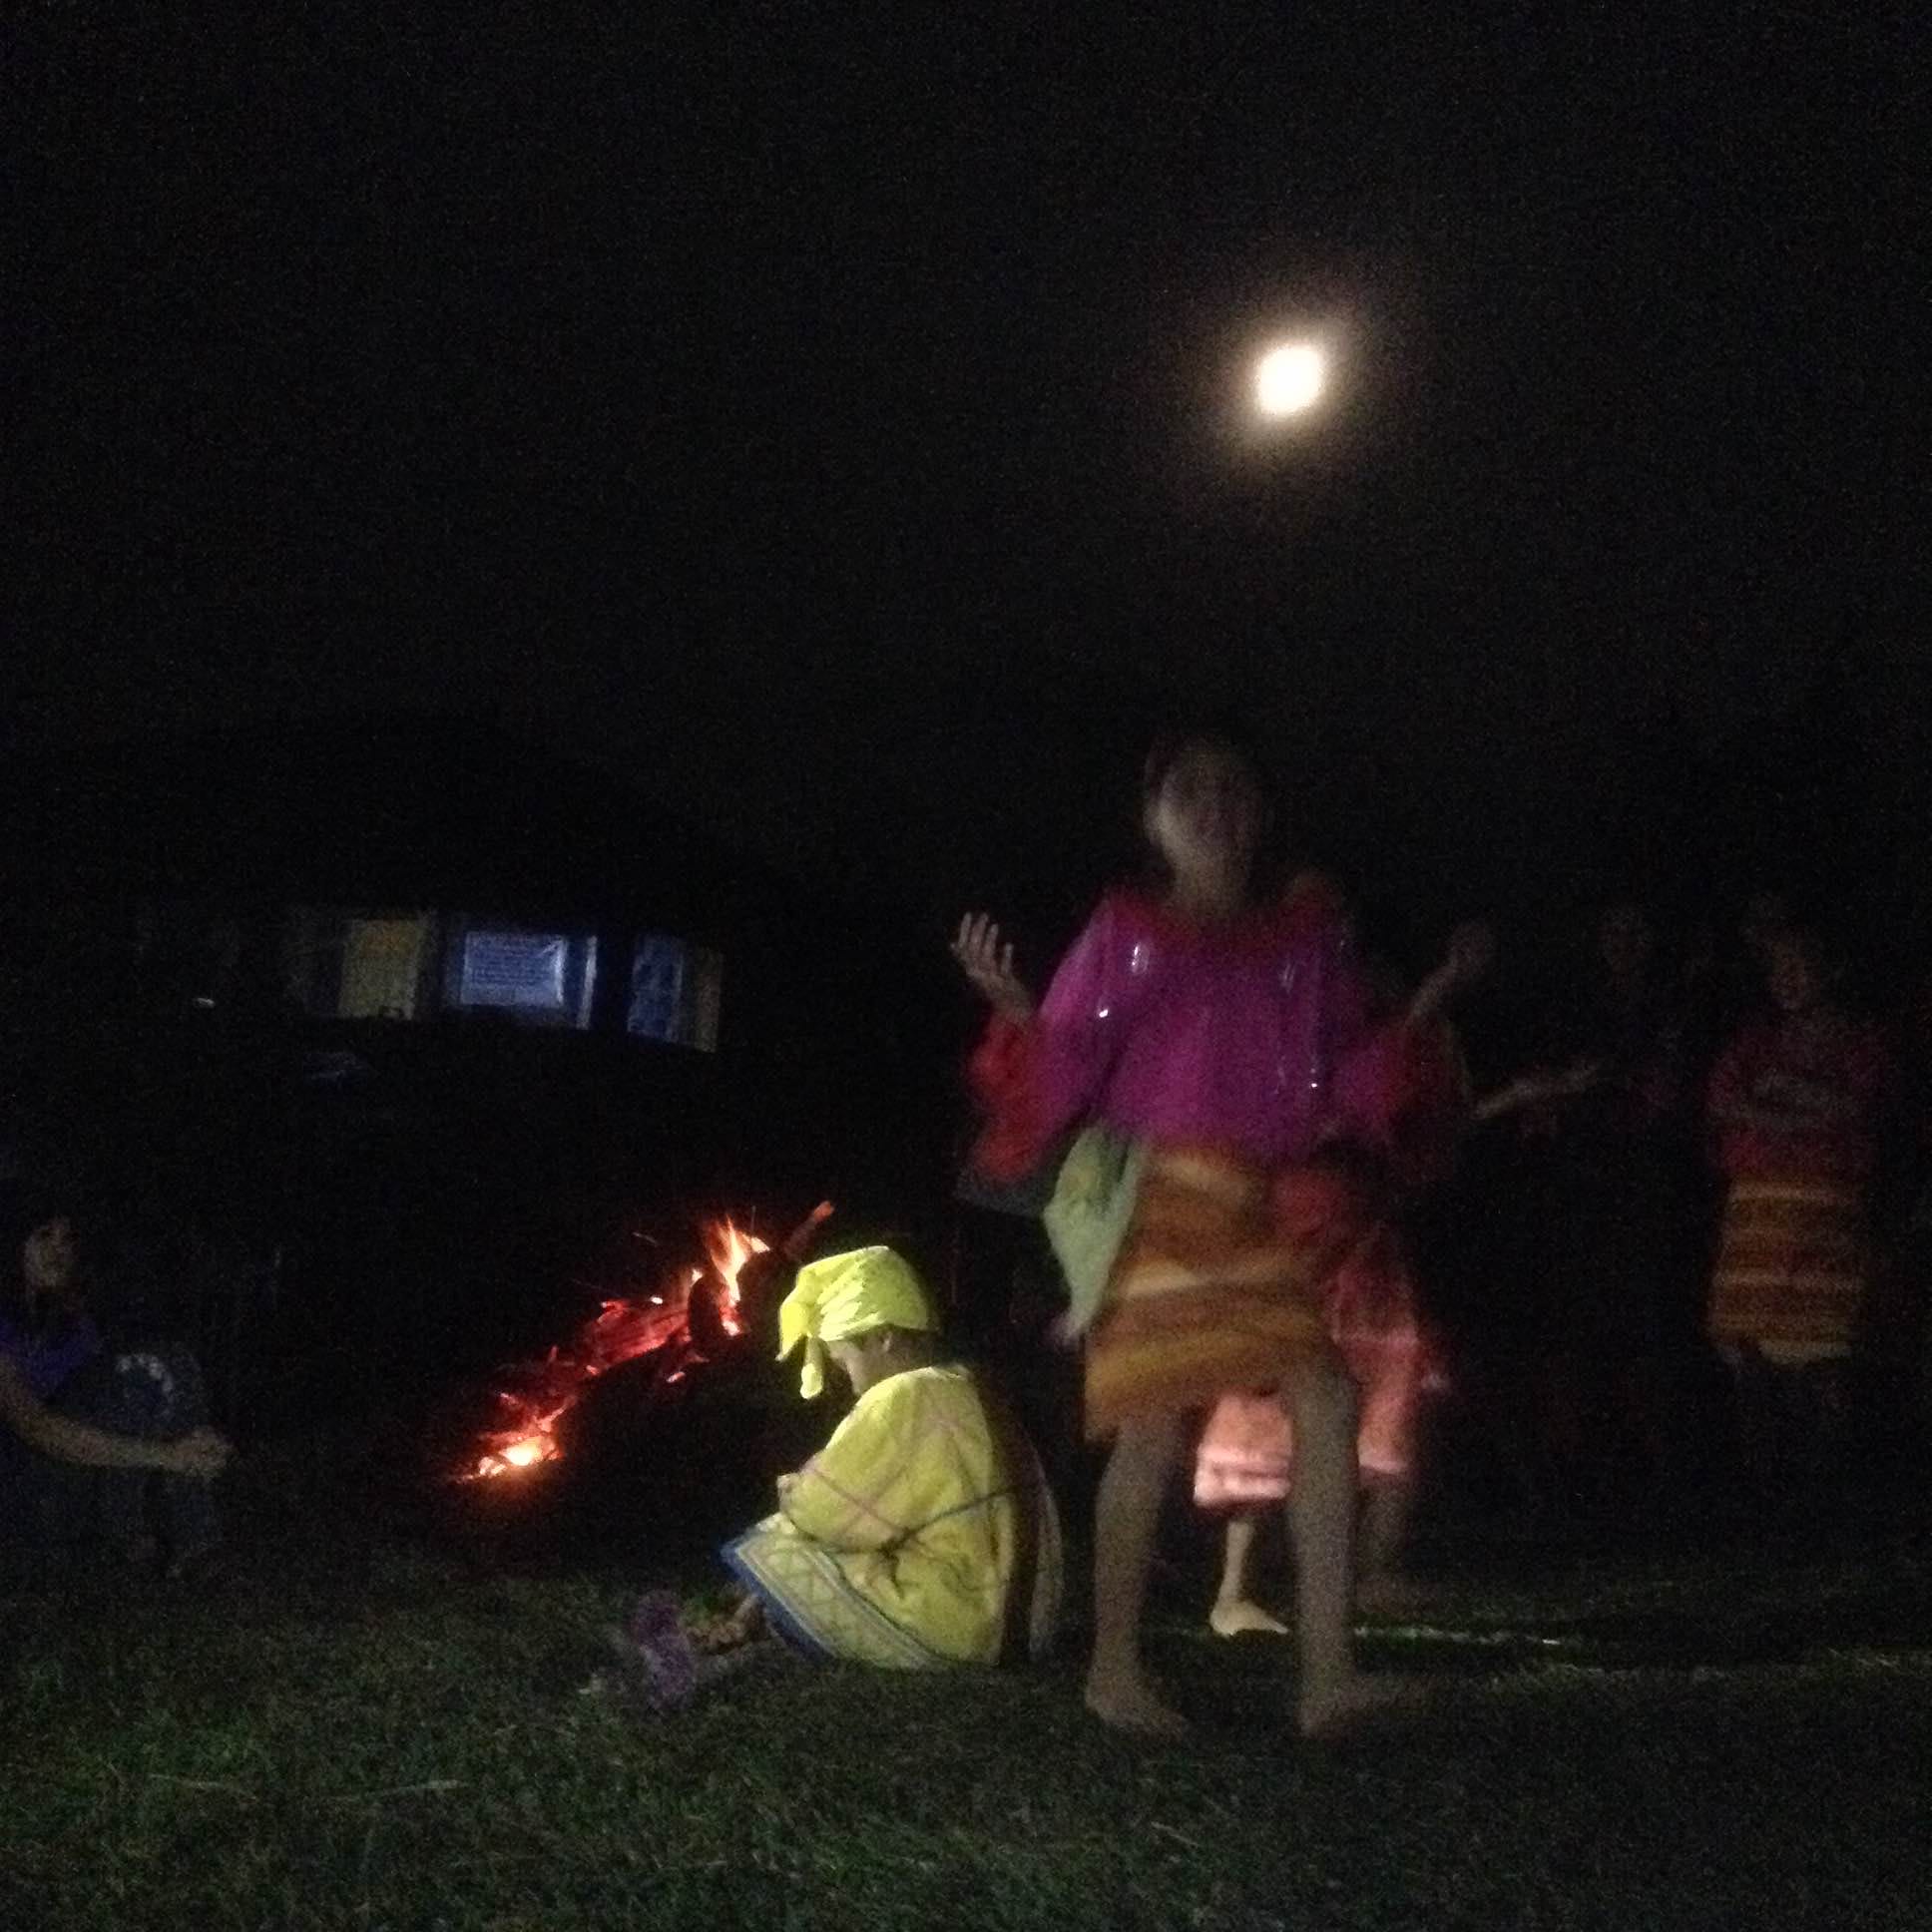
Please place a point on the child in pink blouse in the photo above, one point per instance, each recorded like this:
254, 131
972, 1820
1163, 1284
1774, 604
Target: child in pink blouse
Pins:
1207, 1027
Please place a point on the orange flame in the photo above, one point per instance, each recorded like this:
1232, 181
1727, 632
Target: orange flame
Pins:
619, 1333
729, 1250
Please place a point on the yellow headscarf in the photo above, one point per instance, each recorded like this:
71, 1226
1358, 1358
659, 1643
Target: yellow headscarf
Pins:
846, 1296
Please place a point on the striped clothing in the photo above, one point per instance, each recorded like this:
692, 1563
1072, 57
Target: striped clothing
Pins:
1219, 1285
1791, 1268
1797, 1102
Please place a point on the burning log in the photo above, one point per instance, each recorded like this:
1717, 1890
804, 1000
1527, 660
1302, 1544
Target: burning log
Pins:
694, 1316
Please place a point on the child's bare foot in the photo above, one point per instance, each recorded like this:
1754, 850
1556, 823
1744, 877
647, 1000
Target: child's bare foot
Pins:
1243, 1617
1332, 1708
729, 1632
1129, 1704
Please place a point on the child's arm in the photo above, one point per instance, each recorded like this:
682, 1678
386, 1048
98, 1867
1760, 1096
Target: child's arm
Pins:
199, 1453
1537, 1090
837, 1498
1472, 950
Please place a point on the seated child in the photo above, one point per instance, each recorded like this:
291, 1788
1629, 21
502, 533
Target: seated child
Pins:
97, 1445
923, 1533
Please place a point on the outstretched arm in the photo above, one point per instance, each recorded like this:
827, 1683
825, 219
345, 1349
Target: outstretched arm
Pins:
1538, 1090
202, 1452
1472, 949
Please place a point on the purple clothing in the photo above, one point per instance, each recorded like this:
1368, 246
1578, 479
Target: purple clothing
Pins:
1220, 1036
46, 1361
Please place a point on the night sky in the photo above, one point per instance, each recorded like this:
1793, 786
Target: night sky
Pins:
831, 413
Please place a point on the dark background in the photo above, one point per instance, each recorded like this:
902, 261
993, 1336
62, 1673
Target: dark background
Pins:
830, 417
824, 425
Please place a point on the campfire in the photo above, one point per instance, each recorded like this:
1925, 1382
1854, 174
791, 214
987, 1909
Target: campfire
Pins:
667, 1320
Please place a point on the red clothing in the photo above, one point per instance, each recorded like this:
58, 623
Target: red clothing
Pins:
1404, 1095
1793, 1263
1404, 1091
1824, 1073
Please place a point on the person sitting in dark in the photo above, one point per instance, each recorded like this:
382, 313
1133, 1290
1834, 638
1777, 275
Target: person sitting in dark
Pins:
99, 1446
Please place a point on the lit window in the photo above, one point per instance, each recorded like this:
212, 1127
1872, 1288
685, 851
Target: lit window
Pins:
360, 965
382, 963
548, 977
674, 991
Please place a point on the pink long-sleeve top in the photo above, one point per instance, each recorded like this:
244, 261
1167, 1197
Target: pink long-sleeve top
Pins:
1182, 1034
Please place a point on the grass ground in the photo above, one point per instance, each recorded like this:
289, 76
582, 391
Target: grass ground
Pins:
365, 1727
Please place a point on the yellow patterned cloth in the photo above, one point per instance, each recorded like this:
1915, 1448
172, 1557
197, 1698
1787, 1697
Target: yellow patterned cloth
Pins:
922, 1533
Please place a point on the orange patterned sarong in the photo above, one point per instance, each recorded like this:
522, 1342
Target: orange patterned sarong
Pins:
1791, 1268
1218, 1285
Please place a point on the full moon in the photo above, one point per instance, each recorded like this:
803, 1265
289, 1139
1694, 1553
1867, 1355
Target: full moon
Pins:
1288, 379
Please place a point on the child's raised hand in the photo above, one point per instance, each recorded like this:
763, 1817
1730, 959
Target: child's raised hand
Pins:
988, 966
1472, 951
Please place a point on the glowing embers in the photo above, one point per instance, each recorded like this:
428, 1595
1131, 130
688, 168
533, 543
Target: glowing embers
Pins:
524, 1453
621, 1332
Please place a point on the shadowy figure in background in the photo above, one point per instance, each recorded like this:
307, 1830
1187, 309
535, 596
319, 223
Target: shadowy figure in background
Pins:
1795, 1105
1893, 1395
1744, 970
99, 1446
1626, 1242
1402, 1099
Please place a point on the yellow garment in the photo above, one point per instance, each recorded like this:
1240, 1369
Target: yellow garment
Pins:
922, 1533
845, 1297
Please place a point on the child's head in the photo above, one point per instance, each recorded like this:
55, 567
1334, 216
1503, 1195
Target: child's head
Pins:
42, 1262
1202, 808
865, 1311
1799, 969
879, 1352
1626, 941
1765, 915
49, 1257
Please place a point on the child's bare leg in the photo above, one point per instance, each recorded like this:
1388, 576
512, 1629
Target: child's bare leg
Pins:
1757, 1418
1822, 1399
1321, 1519
1388, 1503
1126, 1512
1234, 1612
